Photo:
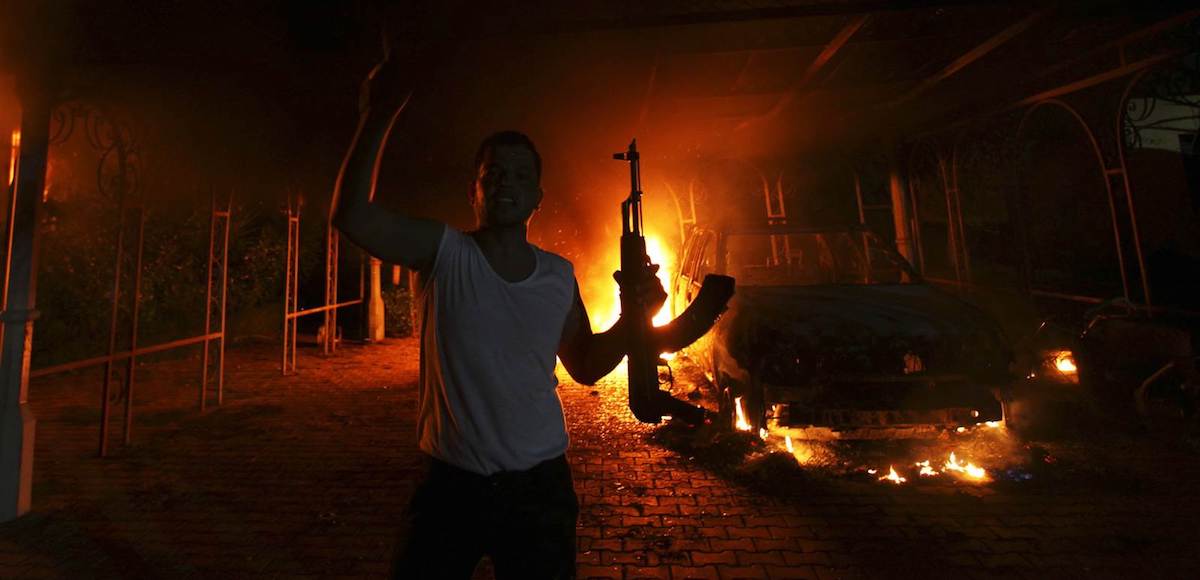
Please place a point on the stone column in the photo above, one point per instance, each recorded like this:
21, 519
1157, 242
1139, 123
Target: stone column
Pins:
375, 314
16, 333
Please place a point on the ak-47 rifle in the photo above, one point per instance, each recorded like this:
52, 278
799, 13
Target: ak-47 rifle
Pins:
646, 343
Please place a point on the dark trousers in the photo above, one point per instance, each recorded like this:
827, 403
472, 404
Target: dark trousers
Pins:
523, 520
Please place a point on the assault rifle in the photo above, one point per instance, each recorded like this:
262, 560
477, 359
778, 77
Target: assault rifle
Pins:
646, 343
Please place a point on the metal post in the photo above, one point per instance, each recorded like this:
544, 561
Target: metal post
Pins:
862, 219
131, 363
331, 335
295, 280
1123, 168
331, 294
208, 288
862, 216
964, 251
106, 390
287, 291
916, 231
228, 215
951, 224
17, 423
289, 281
899, 210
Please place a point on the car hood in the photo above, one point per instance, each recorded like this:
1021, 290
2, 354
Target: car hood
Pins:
915, 310
862, 328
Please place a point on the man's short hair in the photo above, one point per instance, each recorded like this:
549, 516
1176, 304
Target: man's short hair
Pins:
509, 138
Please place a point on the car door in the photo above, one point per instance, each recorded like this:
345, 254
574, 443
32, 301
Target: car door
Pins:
686, 283
682, 275
698, 261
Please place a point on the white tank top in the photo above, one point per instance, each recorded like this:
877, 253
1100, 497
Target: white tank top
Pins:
487, 400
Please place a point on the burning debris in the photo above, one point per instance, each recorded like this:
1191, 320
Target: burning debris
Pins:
969, 469
981, 454
893, 477
984, 438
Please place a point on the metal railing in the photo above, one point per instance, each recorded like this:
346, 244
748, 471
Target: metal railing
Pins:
291, 298
220, 219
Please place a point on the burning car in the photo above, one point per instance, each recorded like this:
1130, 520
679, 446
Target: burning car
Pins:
833, 334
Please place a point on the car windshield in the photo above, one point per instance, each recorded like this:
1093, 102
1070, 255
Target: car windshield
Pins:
813, 258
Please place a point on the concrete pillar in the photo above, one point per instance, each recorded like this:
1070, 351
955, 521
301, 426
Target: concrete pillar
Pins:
17, 423
375, 314
900, 211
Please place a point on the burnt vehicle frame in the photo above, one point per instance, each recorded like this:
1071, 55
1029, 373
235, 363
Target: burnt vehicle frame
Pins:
872, 355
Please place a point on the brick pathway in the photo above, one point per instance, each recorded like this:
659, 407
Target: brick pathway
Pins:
304, 477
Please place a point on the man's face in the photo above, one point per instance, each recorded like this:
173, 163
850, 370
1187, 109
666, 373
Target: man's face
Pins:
506, 187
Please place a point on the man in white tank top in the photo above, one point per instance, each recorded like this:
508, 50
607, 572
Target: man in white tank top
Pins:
496, 311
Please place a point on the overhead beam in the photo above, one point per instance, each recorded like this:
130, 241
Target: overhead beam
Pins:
1091, 81
831, 49
1094, 80
829, 8
969, 57
799, 48
754, 106
1120, 43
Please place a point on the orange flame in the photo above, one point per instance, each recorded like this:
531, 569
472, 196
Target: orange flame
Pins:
742, 424
12, 162
926, 469
968, 469
604, 315
893, 477
1064, 361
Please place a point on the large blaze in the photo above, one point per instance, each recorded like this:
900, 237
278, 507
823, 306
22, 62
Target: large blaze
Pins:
606, 307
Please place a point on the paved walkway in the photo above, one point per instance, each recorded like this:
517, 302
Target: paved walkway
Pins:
305, 476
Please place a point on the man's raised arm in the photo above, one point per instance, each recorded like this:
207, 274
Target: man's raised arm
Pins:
389, 236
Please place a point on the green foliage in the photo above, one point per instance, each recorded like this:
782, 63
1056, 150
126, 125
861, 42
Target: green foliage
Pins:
397, 312
76, 265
